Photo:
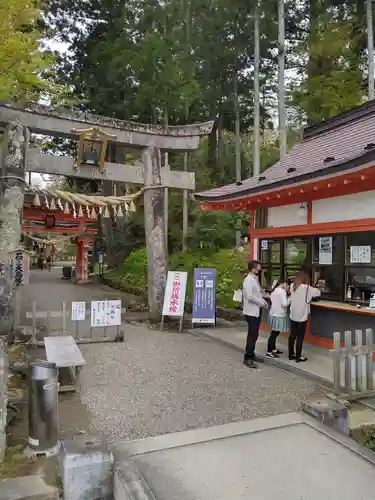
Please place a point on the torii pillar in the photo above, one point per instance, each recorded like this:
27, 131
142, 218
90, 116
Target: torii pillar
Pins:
155, 231
82, 260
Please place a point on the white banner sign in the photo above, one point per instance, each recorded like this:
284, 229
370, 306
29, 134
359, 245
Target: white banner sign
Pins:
78, 311
175, 293
106, 313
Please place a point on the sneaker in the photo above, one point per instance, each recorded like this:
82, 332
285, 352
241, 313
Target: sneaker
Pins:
279, 352
258, 359
301, 360
249, 363
292, 357
271, 355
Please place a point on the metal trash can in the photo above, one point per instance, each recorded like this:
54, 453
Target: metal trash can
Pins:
43, 408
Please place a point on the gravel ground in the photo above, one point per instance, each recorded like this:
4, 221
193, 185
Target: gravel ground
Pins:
161, 382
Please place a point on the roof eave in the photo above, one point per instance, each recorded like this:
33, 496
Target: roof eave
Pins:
331, 169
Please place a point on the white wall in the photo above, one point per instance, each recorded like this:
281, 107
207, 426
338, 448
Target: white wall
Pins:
286, 216
348, 207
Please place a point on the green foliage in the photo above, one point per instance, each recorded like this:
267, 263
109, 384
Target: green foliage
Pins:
332, 73
21, 61
212, 230
365, 435
128, 235
230, 266
135, 269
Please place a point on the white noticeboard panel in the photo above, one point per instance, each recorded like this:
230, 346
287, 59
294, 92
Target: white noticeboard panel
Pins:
175, 293
360, 254
78, 311
106, 313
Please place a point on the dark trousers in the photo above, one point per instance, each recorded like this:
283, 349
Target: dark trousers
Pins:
272, 341
297, 334
253, 325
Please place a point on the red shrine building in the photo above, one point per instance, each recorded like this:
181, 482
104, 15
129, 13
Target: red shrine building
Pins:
314, 210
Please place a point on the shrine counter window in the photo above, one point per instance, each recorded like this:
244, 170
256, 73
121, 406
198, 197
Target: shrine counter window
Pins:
283, 259
360, 267
328, 265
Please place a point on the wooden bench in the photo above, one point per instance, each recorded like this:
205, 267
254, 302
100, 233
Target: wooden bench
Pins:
64, 352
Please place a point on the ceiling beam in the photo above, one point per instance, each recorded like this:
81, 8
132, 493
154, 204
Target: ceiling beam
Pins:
38, 162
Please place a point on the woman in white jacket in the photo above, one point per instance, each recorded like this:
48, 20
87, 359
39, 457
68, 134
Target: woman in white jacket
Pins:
278, 319
301, 296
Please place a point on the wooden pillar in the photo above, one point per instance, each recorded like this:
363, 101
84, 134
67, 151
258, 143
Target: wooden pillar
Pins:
252, 241
155, 231
81, 260
12, 183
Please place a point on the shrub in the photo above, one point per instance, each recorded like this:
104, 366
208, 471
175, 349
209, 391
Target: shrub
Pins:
230, 267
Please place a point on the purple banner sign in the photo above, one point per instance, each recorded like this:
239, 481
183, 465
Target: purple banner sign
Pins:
204, 302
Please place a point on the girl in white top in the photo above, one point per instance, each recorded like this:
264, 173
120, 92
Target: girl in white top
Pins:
278, 319
301, 296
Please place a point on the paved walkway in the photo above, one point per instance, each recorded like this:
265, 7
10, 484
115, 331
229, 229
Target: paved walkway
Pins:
319, 365
49, 291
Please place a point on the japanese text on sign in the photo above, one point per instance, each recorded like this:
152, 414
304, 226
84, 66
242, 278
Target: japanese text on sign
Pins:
175, 291
204, 301
106, 313
78, 311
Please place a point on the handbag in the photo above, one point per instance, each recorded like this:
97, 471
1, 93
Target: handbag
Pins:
238, 296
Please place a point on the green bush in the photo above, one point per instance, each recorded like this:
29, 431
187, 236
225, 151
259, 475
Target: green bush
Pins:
230, 267
365, 435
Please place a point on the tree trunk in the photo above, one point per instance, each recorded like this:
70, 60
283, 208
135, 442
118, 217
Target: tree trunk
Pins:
281, 83
166, 191
12, 183
185, 206
256, 165
237, 140
212, 149
370, 48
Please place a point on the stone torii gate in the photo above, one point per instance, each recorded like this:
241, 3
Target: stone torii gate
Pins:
19, 158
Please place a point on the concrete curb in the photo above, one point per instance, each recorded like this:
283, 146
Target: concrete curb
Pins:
129, 484
275, 363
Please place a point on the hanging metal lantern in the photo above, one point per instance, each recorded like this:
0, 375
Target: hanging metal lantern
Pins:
92, 146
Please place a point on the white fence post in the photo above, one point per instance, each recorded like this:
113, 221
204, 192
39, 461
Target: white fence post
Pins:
3, 396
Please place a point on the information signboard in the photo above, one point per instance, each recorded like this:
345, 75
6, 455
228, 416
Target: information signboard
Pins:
106, 313
78, 311
204, 298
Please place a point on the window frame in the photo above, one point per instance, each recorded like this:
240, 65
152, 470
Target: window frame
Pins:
341, 262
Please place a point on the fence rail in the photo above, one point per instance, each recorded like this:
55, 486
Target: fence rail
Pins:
353, 366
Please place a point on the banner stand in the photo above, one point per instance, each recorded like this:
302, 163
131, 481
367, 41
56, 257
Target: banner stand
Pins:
181, 323
204, 297
174, 298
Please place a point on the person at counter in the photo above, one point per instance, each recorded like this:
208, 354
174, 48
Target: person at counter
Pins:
302, 293
253, 302
278, 319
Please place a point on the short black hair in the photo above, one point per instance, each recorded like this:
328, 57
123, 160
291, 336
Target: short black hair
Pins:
252, 264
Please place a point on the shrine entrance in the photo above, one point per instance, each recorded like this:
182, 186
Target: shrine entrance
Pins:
92, 135
51, 216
